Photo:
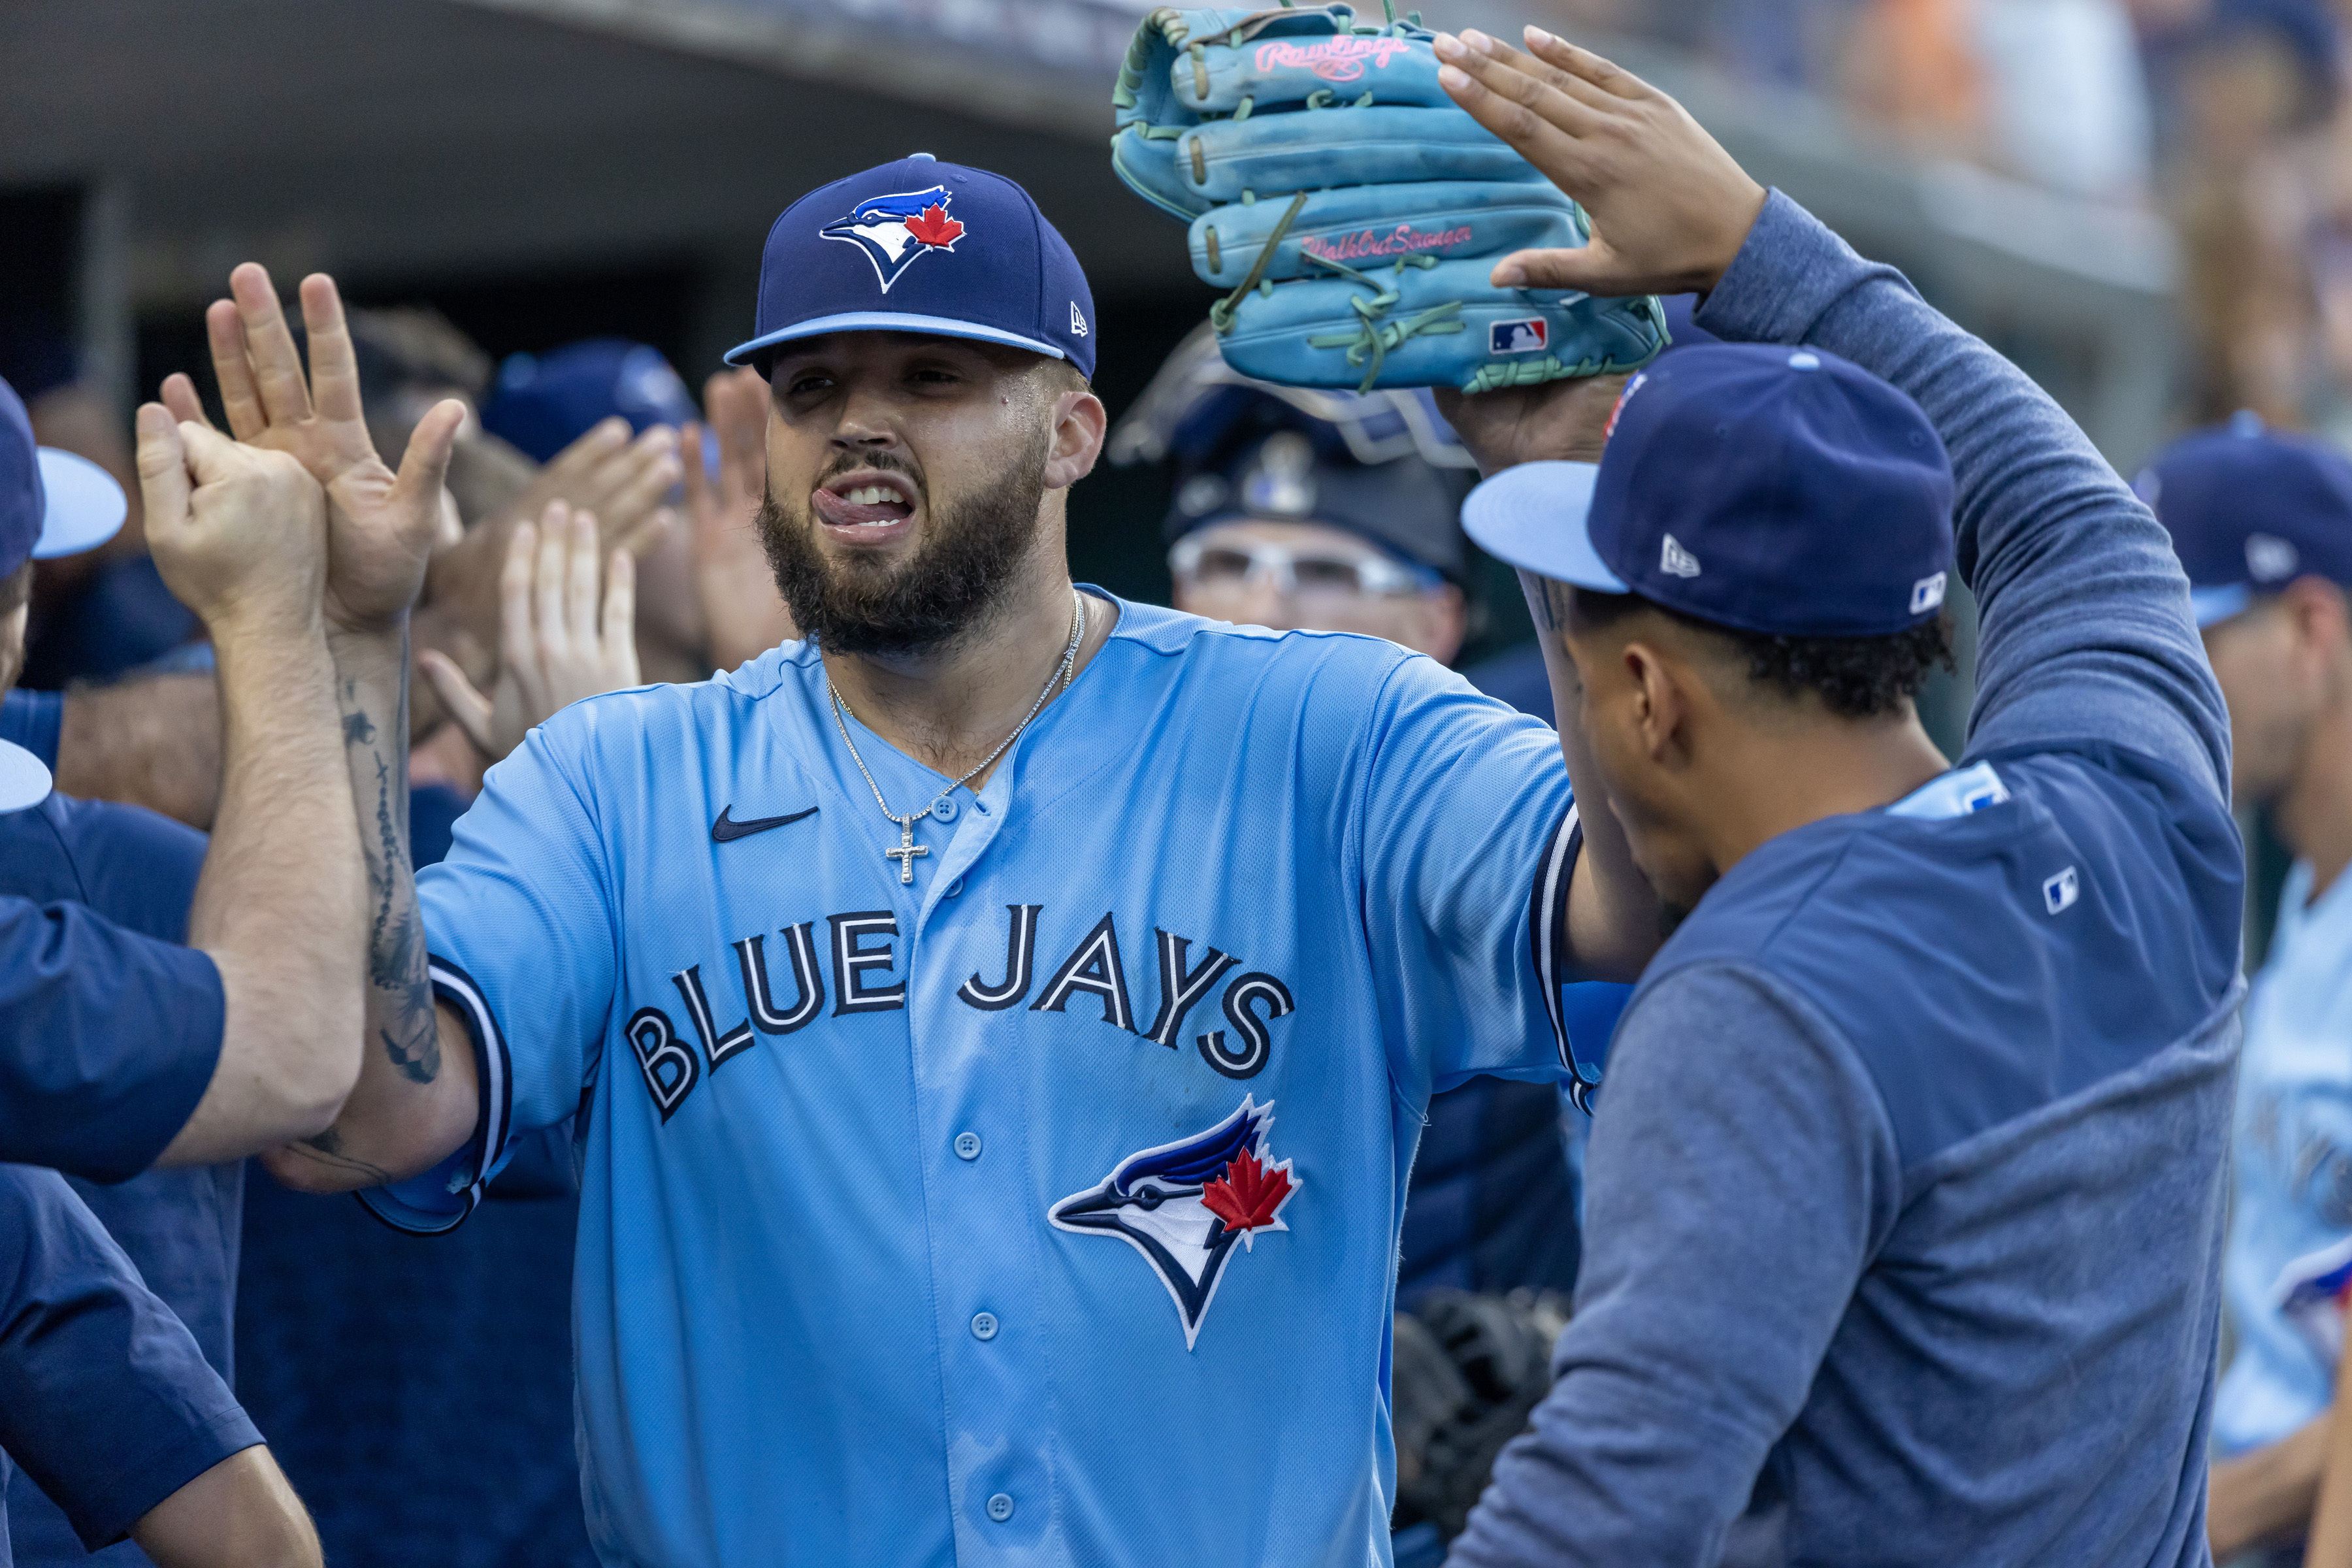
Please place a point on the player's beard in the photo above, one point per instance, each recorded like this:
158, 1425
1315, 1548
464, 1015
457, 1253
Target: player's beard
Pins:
972, 550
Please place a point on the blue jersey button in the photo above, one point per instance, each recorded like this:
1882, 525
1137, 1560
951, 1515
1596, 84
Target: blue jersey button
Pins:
1000, 1507
983, 1325
954, 887
967, 1145
945, 811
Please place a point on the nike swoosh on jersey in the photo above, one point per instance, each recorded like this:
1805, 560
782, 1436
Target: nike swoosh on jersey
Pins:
726, 830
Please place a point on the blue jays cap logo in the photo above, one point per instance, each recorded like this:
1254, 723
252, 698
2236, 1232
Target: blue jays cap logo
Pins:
893, 230
1184, 1204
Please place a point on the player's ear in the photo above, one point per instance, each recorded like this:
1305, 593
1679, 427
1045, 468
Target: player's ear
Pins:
1080, 423
1659, 702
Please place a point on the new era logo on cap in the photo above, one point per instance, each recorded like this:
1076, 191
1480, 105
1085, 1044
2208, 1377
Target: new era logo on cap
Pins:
1676, 561
2270, 558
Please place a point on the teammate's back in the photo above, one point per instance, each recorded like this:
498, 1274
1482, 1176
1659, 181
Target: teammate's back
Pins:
1943, 1076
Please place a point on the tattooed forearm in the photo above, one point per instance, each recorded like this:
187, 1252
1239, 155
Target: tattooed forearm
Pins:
400, 1000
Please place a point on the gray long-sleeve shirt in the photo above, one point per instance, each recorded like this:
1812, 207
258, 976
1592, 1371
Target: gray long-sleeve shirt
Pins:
1904, 1191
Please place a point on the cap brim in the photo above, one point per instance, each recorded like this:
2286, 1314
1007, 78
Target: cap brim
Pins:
85, 506
888, 321
1534, 516
24, 778
2211, 606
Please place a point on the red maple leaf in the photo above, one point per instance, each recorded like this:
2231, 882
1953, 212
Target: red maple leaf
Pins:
1247, 1196
933, 227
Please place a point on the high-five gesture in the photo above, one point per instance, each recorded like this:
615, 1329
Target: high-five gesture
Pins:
1670, 208
743, 616
381, 524
561, 638
237, 534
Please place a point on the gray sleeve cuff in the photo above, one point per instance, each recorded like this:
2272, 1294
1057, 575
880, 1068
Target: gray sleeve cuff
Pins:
1792, 270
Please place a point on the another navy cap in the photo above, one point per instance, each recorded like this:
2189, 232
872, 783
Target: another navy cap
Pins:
920, 246
1771, 489
2250, 510
544, 403
52, 504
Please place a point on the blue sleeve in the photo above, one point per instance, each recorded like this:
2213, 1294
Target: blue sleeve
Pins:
1467, 837
33, 720
108, 1039
524, 949
105, 1399
2086, 633
1739, 1140
136, 867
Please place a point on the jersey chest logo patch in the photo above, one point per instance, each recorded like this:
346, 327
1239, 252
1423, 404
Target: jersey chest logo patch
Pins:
1185, 1204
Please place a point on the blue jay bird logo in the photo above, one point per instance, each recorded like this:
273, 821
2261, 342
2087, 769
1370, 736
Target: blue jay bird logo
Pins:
893, 230
1184, 1204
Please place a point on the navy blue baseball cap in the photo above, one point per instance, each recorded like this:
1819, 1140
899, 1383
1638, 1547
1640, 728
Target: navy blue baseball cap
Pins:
542, 403
2250, 510
1766, 488
52, 504
920, 246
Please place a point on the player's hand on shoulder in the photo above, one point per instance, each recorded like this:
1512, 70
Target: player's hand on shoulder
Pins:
1558, 421
238, 533
1670, 208
563, 635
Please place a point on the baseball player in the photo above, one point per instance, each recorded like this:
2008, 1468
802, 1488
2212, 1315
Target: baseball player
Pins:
118, 1051
2263, 524
1000, 1024
1905, 1193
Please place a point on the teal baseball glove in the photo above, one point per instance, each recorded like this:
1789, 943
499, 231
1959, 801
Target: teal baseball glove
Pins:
1351, 211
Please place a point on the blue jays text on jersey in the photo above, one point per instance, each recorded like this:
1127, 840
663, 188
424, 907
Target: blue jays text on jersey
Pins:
1044, 1211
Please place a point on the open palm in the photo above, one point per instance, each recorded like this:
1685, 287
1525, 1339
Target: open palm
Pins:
381, 524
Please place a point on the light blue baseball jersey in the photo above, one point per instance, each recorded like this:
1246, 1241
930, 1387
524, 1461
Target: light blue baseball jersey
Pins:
2290, 1164
1043, 1209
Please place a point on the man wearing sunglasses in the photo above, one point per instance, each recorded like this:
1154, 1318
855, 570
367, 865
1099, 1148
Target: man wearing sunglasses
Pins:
1291, 539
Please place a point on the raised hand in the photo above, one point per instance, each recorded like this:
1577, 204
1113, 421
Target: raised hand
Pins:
743, 616
239, 534
1670, 208
558, 642
624, 482
381, 525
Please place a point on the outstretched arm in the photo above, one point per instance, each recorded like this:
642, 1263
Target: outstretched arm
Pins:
415, 1102
2086, 633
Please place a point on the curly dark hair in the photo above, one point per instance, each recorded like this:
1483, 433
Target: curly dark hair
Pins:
1855, 677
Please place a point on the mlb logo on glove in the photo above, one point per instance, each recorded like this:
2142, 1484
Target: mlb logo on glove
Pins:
1525, 336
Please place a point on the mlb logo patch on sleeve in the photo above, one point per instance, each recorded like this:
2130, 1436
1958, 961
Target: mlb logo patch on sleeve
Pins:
1528, 336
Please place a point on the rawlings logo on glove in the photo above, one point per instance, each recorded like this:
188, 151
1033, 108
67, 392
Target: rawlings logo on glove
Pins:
1340, 59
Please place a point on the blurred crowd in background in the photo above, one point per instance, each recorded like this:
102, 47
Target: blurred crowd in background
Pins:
2228, 117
